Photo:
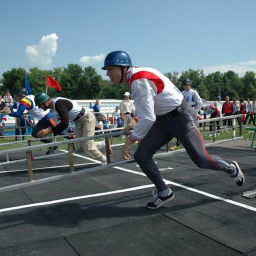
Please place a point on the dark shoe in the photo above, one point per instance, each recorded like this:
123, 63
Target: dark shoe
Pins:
160, 201
51, 150
239, 176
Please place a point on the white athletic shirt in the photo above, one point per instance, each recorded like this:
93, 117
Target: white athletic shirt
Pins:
73, 112
154, 94
193, 99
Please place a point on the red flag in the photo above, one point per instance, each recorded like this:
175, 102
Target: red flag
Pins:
53, 83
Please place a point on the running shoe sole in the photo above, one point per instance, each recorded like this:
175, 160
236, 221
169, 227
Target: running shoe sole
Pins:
239, 183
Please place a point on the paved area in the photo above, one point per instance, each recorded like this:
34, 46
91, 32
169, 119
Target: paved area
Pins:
104, 213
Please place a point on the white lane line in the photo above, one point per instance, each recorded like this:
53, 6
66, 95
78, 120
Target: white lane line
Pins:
74, 198
248, 207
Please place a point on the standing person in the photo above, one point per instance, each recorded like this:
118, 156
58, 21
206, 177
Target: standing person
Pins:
242, 109
2, 124
249, 113
161, 114
235, 109
68, 110
227, 111
8, 99
96, 108
116, 118
254, 109
2, 103
20, 125
193, 99
127, 110
218, 105
214, 112
26, 102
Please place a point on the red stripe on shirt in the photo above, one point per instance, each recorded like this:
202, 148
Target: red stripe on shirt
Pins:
159, 83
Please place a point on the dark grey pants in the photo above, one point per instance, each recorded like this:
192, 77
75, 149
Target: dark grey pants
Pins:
184, 128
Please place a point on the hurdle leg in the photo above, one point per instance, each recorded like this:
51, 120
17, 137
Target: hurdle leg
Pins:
71, 159
107, 141
29, 163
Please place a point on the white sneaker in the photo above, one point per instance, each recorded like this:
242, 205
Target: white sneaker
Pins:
238, 176
101, 144
103, 160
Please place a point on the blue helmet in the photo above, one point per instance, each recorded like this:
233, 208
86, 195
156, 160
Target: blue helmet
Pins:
218, 98
117, 58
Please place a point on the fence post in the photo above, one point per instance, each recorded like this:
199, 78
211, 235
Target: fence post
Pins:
29, 163
107, 142
214, 132
240, 126
233, 128
70, 156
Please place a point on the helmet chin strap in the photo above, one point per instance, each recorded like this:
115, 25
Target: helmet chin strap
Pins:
122, 71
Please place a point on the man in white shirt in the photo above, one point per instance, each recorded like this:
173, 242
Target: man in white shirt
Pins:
126, 109
161, 114
191, 96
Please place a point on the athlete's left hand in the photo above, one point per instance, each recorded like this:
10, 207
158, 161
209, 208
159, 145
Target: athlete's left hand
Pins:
43, 133
126, 149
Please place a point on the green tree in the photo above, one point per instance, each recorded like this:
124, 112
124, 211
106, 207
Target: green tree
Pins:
174, 77
232, 85
90, 84
70, 79
249, 85
214, 84
13, 80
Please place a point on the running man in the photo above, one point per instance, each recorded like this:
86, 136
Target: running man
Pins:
161, 114
68, 110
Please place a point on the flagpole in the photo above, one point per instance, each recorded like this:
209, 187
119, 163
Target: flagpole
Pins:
46, 90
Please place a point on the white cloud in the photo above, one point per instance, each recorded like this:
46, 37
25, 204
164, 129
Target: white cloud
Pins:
87, 60
240, 67
40, 55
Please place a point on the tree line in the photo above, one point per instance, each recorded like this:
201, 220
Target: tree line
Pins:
85, 83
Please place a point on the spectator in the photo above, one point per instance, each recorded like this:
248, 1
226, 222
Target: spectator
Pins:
218, 105
249, 113
235, 109
242, 109
227, 111
2, 124
127, 109
116, 118
96, 107
254, 109
214, 112
2, 103
8, 99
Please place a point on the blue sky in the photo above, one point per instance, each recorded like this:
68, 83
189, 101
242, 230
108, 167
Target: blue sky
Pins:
169, 35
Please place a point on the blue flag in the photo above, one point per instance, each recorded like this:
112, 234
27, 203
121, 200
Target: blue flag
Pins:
27, 85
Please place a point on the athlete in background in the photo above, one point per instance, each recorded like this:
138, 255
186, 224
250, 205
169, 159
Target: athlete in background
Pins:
192, 97
161, 113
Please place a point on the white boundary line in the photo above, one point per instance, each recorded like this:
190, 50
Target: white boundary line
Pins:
74, 198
